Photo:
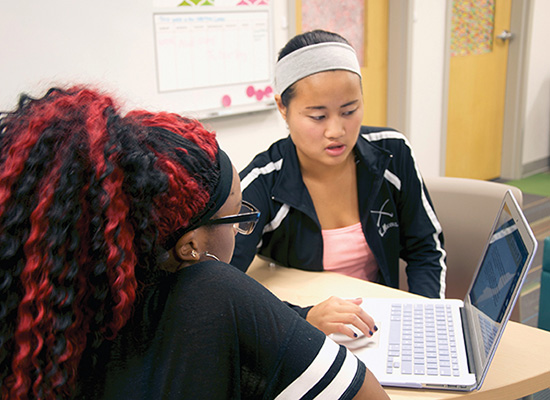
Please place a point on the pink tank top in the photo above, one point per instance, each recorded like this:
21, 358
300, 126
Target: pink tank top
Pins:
346, 252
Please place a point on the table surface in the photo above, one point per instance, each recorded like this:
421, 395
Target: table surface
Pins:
521, 365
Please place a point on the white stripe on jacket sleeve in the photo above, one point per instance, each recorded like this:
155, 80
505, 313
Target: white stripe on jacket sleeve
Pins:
255, 172
316, 372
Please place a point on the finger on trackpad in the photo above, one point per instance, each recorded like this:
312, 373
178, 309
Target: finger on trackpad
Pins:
360, 342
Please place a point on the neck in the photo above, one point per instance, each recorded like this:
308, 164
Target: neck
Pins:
322, 172
173, 263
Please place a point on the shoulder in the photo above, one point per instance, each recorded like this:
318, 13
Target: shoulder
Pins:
274, 153
266, 164
387, 139
383, 136
212, 275
214, 284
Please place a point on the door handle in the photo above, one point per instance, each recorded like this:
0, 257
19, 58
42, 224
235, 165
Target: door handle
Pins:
505, 35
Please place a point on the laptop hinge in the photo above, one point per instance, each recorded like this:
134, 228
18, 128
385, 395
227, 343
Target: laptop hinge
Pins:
467, 340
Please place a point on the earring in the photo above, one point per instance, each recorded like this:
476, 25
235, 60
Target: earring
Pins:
207, 254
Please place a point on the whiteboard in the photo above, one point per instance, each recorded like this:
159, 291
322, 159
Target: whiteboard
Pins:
222, 66
223, 58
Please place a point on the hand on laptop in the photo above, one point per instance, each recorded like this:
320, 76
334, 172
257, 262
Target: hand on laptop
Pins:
335, 314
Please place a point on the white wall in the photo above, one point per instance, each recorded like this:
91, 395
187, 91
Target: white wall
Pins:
427, 78
245, 136
536, 144
110, 44
32, 59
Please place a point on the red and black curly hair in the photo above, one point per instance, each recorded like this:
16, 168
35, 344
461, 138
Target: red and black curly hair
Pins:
86, 198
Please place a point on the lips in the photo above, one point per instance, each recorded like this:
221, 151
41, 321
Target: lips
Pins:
335, 149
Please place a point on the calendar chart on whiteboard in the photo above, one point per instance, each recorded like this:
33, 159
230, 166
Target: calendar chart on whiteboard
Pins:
233, 45
221, 56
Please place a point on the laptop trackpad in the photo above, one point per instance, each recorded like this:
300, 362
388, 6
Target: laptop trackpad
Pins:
361, 342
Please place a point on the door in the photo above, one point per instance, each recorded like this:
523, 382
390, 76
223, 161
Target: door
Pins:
373, 27
477, 84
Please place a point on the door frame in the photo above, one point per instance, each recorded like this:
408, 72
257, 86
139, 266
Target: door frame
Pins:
401, 20
516, 91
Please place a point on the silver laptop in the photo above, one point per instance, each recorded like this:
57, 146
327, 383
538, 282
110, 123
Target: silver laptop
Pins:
449, 344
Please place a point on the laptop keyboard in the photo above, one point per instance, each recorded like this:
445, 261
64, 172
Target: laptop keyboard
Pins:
422, 340
488, 332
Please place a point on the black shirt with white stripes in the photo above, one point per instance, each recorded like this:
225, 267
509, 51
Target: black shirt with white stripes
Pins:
209, 331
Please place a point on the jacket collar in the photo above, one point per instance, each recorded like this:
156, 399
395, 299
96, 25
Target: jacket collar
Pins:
375, 159
290, 188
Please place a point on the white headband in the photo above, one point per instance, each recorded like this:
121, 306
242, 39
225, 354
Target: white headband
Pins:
312, 59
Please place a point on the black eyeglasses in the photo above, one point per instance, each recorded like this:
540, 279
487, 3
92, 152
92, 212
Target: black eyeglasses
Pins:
244, 222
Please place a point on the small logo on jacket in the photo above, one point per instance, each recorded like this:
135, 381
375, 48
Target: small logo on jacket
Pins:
383, 227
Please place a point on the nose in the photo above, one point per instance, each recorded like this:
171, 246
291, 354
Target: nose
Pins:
335, 128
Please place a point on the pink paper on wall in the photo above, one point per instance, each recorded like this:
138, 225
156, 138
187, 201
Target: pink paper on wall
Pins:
345, 17
253, 3
259, 93
226, 100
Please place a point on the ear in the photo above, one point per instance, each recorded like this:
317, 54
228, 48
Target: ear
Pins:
187, 247
280, 106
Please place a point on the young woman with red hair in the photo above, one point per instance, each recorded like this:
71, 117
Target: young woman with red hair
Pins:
115, 232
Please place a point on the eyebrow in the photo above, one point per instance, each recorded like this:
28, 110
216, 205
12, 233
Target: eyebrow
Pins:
323, 107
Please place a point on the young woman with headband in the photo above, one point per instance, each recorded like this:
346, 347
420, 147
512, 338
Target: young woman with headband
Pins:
115, 231
336, 195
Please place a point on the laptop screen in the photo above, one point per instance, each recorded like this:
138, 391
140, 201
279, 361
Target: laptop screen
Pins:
500, 270
495, 287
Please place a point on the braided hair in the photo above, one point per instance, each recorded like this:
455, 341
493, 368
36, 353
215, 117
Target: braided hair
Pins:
87, 197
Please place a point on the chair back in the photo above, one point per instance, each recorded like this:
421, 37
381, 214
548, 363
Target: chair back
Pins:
466, 209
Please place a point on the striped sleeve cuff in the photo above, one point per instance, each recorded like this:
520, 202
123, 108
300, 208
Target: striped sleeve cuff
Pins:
335, 373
